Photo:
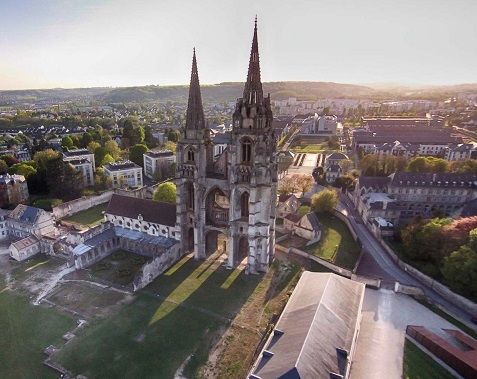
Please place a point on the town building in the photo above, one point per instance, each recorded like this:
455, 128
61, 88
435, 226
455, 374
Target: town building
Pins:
78, 154
158, 162
229, 203
124, 174
401, 196
315, 336
304, 226
287, 204
13, 190
82, 160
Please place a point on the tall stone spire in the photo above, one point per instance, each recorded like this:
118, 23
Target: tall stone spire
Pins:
253, 92
195, 113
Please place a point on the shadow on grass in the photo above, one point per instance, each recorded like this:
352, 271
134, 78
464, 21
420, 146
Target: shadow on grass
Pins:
180, 314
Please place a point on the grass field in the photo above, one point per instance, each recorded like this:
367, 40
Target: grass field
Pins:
25, 331
418, 365
119, 267
89, 217
337, 244
179, 314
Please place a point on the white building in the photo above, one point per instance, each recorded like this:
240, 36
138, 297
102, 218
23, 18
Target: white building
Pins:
124, 173
73, 155
147, 216
155, 160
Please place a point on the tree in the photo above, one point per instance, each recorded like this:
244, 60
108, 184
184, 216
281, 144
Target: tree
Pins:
459, 270
303, 182
3, 167
324, 201
166, 193
107, 159
9, 159
369, 164
173, 135
418, 164
101, 180
136, 154
42, 157
112, 149
99, 154
92, 146
149, 139
22, 169
287, 185
138, 136
67, 143
86, 139
347, 165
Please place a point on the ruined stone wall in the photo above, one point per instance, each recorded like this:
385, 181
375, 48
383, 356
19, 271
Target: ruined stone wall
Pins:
157, 266
75, 206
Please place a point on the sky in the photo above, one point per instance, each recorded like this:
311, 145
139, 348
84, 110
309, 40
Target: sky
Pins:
115, 43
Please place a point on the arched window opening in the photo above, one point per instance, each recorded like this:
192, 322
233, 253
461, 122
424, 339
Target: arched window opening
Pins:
244, 204
190, 155
246, 151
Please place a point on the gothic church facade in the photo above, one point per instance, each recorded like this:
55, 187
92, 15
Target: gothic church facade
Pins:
229, 203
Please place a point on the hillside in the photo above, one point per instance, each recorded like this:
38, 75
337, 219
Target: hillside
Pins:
225, 92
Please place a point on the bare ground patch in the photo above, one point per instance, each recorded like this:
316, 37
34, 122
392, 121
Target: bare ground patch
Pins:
87, 299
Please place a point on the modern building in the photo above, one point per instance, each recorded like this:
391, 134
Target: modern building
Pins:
229, 203
82, 160
315, 337
124, 174
79, 154
13, 190
158, 161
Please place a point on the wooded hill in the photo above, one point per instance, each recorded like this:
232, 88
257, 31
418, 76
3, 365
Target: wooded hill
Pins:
225, 92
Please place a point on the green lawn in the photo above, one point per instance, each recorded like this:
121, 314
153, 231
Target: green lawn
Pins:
337, 244
119, 267
175, 316
418, 365
89, 217
25, 331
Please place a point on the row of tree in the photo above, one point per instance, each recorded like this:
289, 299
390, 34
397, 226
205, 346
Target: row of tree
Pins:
374, 165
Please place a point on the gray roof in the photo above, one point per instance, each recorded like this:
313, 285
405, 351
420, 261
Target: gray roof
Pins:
151, 211
373, 181
26, 214
90, 244
450, 180
222, 138
313, 219
336, 156
321, 316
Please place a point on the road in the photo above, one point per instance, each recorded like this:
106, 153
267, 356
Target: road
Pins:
376, 262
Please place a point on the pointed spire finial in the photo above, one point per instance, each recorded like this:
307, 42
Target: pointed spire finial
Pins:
253, 92
195, 113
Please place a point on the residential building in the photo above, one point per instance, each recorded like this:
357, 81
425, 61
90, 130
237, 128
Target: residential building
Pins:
22, 155
25, 221
160, 161
315, 336
86, 168
306, 226
460, 151
13, 190
82, 160
287, 204
333, 172
79, 154
124, 173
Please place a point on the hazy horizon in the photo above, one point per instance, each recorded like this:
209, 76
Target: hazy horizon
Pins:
118, 43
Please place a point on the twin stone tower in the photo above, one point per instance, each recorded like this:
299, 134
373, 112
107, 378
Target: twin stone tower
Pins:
228, 202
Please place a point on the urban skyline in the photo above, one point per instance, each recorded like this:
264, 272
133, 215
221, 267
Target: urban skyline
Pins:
91, 43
